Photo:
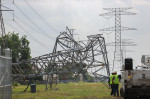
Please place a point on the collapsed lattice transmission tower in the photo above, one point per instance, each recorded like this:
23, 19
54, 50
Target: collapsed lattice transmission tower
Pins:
117, 12
68, 57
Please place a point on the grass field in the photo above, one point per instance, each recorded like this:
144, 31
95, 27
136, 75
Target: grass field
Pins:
65, 91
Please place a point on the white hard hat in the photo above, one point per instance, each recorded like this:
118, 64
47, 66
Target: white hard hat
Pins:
114, 72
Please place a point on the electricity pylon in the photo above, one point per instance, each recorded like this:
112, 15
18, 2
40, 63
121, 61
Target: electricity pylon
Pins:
117, 12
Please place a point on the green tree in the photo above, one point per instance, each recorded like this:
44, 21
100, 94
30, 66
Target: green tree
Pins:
18, 45
25, 49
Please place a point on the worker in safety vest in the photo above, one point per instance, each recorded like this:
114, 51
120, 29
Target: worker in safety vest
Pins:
115, 83
111, 83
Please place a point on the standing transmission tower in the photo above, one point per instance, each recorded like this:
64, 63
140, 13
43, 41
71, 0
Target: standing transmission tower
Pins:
117, 12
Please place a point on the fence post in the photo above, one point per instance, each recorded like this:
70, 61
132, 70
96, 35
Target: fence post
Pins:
8, 73
5, 75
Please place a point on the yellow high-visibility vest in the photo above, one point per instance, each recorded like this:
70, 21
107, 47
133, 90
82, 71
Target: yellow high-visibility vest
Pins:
111, 77
115, 80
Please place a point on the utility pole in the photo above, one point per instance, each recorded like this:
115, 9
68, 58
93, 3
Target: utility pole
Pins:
117, 12
2, 28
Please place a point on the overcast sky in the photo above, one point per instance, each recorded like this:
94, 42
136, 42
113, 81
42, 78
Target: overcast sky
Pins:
81, 15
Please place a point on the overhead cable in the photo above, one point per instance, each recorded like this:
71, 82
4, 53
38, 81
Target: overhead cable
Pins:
25, 23
43, 19
11, 26
42, 44
33, 22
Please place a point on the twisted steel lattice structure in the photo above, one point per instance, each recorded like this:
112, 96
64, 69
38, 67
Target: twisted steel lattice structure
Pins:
68, 56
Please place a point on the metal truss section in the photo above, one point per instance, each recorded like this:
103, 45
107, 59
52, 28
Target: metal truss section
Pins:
68, 56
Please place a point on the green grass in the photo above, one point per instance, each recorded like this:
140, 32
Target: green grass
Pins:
65, 91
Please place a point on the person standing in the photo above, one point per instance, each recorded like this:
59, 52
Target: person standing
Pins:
111, 83
115, 83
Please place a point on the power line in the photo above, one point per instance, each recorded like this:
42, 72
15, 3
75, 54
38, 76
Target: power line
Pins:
33, 22
20, 26
24, 22
43, 19
11, 26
